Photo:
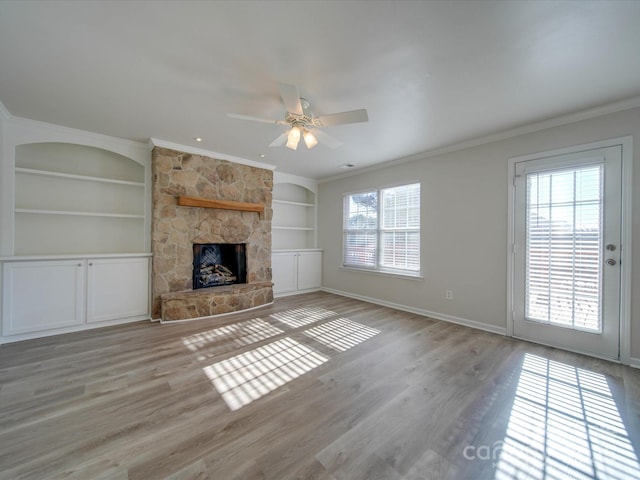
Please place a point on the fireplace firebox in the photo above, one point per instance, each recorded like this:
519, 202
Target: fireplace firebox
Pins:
216, 264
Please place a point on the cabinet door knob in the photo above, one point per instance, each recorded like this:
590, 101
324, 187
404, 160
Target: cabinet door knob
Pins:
91, 264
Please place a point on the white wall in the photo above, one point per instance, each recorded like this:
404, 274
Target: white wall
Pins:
464, 224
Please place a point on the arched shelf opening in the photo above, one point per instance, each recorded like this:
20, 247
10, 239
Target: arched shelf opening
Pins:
80, 199
294, 217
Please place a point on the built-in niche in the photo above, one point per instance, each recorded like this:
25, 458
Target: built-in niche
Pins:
81, 199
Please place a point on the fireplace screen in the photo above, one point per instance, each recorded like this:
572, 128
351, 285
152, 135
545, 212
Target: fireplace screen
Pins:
217, 264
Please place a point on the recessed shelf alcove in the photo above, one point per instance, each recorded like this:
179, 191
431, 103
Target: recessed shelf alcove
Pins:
81, 199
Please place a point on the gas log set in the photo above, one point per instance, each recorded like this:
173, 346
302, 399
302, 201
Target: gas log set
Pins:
217, 264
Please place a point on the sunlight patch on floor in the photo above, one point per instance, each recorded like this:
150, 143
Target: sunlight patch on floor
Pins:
299, 317
242, 333
564, 423
341, 334
246, 377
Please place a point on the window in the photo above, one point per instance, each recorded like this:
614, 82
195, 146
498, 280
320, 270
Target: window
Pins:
563, 237
382, 229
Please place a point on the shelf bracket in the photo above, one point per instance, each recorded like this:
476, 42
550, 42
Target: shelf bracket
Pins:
221, 204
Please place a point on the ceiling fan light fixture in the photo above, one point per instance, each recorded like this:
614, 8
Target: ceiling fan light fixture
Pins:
310, 139
293, 138
302, 123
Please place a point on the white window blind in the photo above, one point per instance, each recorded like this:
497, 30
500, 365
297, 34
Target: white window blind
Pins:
382, 229
401, 227
563, 247
360, 229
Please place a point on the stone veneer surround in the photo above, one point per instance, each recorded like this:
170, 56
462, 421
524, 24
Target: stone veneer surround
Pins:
176, 228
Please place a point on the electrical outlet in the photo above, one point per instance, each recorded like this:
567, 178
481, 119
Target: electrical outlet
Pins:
448, 294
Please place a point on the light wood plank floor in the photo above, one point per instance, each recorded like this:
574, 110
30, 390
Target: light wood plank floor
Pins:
316, 386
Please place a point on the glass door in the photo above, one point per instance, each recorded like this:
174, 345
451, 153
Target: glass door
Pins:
567, 251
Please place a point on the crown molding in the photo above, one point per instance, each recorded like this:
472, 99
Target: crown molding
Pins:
587, 114
156, 142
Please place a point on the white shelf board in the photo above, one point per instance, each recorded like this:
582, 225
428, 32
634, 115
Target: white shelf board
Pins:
75, 213
274, 227
73, 256
72, 176
289, 202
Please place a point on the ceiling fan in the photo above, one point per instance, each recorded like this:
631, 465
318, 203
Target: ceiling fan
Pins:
303, 124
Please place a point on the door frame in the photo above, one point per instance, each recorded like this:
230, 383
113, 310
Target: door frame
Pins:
626, 143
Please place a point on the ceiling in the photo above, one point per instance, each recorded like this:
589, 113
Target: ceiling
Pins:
429, 73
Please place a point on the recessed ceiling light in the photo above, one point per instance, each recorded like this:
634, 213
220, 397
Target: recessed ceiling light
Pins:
261, 155
198, 139
347, 165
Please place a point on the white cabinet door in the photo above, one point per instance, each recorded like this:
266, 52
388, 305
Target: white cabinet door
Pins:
284, 269
309, 270
42, 295
117, 288
296, 271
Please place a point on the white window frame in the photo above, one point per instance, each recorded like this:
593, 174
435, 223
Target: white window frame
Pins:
379, 230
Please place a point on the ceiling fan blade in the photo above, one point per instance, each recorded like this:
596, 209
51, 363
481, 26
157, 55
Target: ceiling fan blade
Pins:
291, 98
255, 119
280, 140
326, 139
353, 116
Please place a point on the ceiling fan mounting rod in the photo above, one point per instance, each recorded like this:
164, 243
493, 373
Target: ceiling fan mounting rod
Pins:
304, 103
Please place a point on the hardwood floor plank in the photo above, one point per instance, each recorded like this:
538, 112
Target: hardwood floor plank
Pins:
312, 470
431, 466
97, 469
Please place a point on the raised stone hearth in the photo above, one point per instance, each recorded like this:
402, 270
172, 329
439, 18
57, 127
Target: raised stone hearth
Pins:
206, 302
176, 228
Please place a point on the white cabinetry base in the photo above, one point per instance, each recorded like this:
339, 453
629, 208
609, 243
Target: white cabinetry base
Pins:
117, 288
42, 295
296, 271
47, 296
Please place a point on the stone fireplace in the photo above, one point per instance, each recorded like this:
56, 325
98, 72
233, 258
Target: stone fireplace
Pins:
177, 228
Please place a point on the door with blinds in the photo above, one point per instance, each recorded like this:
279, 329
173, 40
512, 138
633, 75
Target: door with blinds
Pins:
566, 251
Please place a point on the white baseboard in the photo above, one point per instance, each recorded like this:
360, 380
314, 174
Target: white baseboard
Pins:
634, 362
419, 311
71, 329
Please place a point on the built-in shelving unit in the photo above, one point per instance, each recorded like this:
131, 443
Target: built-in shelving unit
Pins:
296, 263
294, 216
73, 198
75, 217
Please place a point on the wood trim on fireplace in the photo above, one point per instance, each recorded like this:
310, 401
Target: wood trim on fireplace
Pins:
222, 204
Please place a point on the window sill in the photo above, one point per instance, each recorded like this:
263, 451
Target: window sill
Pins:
387, 273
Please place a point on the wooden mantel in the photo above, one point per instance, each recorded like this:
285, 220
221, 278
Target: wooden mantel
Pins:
222, 204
